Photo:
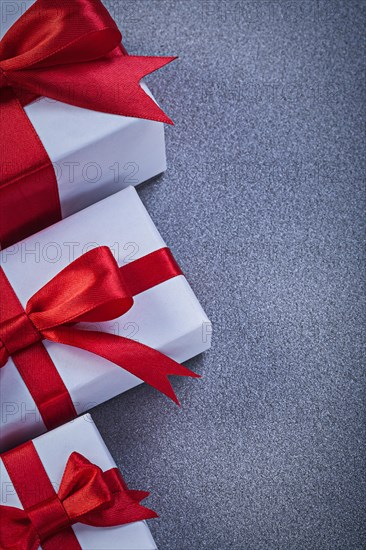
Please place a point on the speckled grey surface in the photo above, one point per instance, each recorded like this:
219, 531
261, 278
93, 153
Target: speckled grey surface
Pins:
263, 205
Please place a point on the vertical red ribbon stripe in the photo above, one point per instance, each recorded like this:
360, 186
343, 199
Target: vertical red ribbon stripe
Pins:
35, 366
29, 198
33, 486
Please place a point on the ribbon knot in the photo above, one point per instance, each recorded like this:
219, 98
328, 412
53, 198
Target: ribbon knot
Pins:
48, 517
16, 333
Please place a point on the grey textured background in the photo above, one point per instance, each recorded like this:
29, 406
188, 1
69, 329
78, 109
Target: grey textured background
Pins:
263, 206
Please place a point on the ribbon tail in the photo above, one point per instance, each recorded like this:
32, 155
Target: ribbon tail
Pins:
120, 513
144, 362
139, 496
110, 85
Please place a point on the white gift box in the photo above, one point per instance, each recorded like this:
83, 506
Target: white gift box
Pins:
167, 317
94, 154
54, 450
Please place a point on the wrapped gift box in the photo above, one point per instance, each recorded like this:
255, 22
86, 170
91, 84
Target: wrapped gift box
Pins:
94, 154
167, 317
54, 450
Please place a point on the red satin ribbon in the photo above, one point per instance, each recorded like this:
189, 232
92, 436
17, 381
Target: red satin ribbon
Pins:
86, 495
69, 51
91, 289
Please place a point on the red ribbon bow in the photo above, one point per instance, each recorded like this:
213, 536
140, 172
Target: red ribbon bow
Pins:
91, 289
69, 51
86, 495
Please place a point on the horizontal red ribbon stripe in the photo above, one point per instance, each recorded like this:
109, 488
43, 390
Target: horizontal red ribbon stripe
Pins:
32, 486
150, 270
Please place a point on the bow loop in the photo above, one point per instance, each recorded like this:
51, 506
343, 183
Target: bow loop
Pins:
16, 530
50, 33
83, 488
90, 289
